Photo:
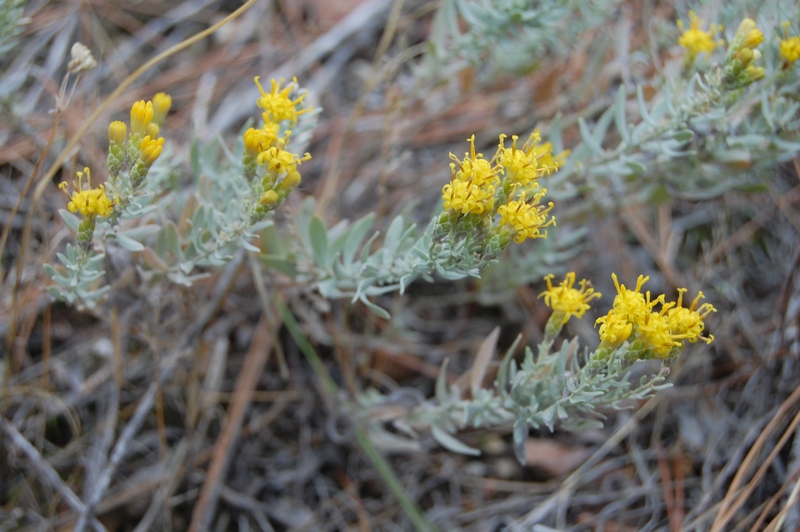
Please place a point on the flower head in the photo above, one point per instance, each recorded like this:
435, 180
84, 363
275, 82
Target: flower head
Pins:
688, 323
473, 168
259, 140
281, 162
161, 105
789, 47
527, 218
696, 40
566, 299
524, 166
466, 197
614, 329
91, 202
116, 132
141, 116
151, 149
278, 106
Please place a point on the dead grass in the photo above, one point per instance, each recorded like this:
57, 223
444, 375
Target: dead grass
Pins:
173, 408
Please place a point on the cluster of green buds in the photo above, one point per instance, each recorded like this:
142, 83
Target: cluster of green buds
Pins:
143, 145
488, 203
741, 67
269, 165
634, 323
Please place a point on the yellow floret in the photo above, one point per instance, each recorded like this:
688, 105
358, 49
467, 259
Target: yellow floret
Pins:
525, 165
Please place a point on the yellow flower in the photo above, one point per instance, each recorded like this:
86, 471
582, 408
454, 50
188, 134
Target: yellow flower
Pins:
466, 197
91, 202
790, 49
151, 150
653, 329
161, 105
116, 132
696, 40
525, 165
687, 323
566, 299
277, 104
141, 115
527, 219
473, 168
614, 329
280, 161
259, 140
632, 305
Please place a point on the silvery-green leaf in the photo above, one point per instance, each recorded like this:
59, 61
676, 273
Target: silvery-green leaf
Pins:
588, 139
452, 444
140, 233
280, 263
244, 243
683, 135
173, 239
620, 115
95, 261
391, 241
355, 234
406, 280
318, 236
377, 310
520, 437
441, 383
643, 107
71, 221
128, 243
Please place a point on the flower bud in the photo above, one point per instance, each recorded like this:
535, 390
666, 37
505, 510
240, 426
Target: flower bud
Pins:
141, 115
161, 105
269, 199
150, 150
116, 132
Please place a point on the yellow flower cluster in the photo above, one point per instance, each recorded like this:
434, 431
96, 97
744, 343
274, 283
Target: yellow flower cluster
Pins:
696, 40
506, 185
144, 143
90, 202
566, 300
266, 146
657, 334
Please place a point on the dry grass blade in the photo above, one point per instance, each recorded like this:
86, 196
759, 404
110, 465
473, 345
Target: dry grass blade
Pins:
256, 358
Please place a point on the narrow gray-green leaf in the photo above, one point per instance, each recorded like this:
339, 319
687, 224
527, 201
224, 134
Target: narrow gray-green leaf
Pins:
452, 444
318, 236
